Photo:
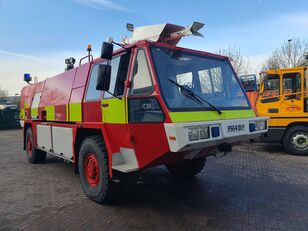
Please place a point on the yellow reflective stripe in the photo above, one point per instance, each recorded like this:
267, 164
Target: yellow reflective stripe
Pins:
34, 113
75, 112
115, 111
209, 115
22, 113
50, 113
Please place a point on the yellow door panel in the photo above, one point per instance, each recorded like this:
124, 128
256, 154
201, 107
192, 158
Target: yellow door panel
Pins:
114, 111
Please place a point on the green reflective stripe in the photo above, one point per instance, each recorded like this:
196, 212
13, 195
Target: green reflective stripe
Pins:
237, 114
75, 112
50, 113
114, 111
22, 113
34, 112
209, 115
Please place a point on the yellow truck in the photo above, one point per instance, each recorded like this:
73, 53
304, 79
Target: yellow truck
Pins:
283, 97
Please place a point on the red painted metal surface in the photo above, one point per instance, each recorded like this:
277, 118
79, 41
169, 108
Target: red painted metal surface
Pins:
92, 111
39, 86
91, 169
81, 75
77, 94
57, 89
60, 112
149, 142
27, 94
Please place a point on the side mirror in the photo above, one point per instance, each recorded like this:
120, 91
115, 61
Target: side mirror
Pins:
103, 77
107, 51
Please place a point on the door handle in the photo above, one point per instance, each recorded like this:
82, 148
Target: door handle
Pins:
105, 105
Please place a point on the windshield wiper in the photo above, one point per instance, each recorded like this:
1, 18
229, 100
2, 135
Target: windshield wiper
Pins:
195, 96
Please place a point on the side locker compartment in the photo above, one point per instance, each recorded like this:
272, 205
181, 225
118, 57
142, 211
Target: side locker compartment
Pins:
44, 137
62, 139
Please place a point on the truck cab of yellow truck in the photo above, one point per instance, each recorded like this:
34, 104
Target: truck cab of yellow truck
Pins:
284, 98
146, 104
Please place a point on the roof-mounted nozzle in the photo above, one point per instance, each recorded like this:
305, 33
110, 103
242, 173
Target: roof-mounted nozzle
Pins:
164, 33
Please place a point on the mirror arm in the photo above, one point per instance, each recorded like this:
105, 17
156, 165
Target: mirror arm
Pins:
120, 45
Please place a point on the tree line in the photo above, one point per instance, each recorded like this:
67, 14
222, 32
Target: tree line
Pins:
291, 53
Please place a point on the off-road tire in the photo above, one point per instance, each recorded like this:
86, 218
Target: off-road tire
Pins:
186, 169
34, 156
102, 192
287, 140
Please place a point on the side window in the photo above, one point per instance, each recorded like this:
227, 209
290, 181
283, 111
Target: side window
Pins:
185, 79
92, 93
291, 84
119, 68
142, 82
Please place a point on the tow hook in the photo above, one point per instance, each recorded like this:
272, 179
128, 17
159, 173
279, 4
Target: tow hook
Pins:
224, 148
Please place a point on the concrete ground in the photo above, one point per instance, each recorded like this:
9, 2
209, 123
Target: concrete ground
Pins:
256, 187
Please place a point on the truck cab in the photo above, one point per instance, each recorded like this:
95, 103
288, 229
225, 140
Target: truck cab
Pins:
249, 83
283, 97
148, 103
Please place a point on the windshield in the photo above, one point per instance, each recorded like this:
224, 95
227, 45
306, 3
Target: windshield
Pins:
210, 78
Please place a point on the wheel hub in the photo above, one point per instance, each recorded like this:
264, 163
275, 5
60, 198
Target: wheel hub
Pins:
300, 141
91, 169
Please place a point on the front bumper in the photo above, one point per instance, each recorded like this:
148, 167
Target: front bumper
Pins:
230, 131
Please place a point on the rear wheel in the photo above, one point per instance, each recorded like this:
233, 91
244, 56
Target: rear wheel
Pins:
295, 141
186, 168
94, 170
34, 156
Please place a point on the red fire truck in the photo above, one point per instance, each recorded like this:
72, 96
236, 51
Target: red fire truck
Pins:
148, 103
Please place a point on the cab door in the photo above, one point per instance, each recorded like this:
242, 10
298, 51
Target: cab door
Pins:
270, 92
114, 109
292, 102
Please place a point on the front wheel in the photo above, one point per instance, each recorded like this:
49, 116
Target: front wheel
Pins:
186, 168
94, 170
295, 141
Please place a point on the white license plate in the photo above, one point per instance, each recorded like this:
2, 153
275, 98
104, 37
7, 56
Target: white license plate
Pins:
235, 128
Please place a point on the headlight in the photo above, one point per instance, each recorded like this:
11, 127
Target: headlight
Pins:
261, 125
258, 126
193, 133
204, 132
1, 107
198, 132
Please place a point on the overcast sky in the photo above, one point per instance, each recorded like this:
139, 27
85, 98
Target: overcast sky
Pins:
37, 35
